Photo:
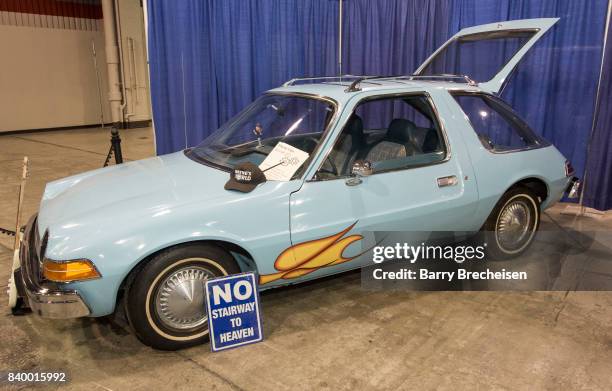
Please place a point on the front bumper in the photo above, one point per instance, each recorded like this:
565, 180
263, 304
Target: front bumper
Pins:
47, 300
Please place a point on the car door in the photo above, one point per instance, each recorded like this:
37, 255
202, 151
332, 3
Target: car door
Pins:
486, 54
334, 216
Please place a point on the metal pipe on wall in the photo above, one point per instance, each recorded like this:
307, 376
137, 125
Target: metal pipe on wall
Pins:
124, 116
112, 61
145, 11
98, 81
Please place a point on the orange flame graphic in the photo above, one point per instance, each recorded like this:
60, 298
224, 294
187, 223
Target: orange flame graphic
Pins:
307, 257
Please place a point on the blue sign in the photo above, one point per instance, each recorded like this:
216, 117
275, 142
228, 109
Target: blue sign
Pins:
234, 317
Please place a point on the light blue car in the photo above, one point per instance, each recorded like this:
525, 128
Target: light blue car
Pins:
290, 187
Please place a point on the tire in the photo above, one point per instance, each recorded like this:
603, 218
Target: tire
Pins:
167, 318
512, 225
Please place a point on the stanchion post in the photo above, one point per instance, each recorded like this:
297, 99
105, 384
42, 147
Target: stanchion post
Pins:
24, 176
116, 143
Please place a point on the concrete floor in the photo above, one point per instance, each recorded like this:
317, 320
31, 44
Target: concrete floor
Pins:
328, 334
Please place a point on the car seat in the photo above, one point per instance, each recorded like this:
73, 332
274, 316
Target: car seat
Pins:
397, 143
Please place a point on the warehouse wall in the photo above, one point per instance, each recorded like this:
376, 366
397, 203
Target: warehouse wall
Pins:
135, 69
47, 73
48, 79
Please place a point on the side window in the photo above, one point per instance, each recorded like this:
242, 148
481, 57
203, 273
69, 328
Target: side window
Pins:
397, 132
498, 127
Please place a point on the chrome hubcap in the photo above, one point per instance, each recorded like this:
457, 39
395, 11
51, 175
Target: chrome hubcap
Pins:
180, 298
513, 225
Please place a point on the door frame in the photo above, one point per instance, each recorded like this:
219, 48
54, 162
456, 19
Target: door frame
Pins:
350, 109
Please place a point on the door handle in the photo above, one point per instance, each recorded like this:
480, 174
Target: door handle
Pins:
353, 181
445, 181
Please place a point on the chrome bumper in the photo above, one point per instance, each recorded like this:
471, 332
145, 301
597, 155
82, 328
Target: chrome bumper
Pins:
45, 300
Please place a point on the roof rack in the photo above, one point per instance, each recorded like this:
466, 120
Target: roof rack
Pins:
355, 85
356, 80
464, 78
294, 81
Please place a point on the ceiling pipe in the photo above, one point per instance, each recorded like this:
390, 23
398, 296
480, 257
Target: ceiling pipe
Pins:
115, 97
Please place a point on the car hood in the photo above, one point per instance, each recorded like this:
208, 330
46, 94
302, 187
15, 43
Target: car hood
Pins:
142, 189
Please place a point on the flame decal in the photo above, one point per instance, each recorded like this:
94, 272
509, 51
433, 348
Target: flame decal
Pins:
307, 257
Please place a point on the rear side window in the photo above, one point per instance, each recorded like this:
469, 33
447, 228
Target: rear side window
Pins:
498, 127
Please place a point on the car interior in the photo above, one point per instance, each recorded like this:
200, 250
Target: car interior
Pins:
400, 145
390, 133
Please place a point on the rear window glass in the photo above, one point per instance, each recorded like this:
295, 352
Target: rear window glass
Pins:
480, 56
498, 127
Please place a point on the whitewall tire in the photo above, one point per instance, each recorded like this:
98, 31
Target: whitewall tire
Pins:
513, 223
166, 302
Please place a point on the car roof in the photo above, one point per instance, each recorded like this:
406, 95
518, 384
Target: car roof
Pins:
340, 90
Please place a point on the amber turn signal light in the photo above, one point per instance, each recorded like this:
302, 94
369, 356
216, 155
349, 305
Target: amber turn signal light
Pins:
80, 269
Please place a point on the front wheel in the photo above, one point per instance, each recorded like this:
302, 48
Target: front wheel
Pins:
512, 225
166, 303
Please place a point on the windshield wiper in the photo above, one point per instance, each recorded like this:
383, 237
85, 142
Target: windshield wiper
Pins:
246, 151
243, 149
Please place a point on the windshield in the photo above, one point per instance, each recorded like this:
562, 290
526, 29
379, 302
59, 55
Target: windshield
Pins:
480, 56
252, 134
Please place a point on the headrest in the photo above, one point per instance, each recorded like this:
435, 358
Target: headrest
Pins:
401, 130
354, 126
431, 142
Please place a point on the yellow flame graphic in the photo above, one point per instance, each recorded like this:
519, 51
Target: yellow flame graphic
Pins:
307, 257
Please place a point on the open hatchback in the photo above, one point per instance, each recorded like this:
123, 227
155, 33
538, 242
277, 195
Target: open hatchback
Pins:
487, 54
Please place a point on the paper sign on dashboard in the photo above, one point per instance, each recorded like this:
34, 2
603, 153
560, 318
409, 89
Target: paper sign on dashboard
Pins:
282, 162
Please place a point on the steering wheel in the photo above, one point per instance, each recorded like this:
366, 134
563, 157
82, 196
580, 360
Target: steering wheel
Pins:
310, 143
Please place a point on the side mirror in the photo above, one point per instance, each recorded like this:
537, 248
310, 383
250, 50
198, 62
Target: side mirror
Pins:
362, 168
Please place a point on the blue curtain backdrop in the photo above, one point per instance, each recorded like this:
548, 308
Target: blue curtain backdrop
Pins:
208, 59
392, 37
598, 191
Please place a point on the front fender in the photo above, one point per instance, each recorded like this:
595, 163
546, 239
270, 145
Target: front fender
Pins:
259, 225
116, 259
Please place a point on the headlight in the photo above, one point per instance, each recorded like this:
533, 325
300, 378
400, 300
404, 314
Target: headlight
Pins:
67, 271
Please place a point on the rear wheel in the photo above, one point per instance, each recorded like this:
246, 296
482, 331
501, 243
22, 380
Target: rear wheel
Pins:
166, 302
513, 223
